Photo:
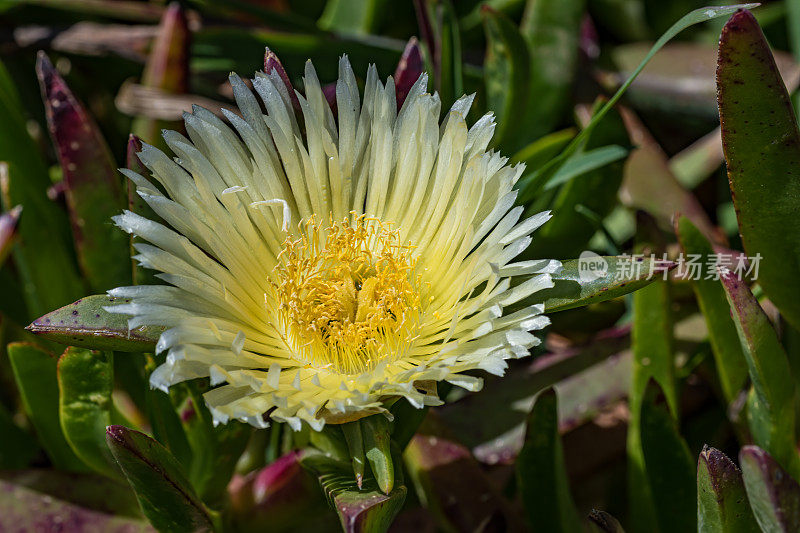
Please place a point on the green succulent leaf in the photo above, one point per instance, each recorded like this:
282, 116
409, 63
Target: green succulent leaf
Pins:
164, 493
85, 383
506, 72
669, 469
35, 375
365, 510
652, 361
85, 323
761, 142
774, 496
772, 401
722, 505
623, 274
730, 361
541, 473
377, 448
551, 30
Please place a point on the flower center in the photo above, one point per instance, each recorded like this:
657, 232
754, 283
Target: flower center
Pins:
348, 294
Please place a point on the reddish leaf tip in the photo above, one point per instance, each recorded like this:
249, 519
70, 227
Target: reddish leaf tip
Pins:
116, 432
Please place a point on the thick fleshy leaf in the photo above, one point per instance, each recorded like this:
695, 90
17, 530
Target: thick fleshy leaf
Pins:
364, 510
453, 487
541, 474
355, 446
730, 361
409, 69
167, 69
375, 430
86, 324
93, 188
506, 73
23, 509
35, 375
90, 490
9, 224
774, 496
85, 383
43, 254
772, 406
669, 469
165, 495
597, 279
273, 62
763, 158
551, 30
652, 360
721, 499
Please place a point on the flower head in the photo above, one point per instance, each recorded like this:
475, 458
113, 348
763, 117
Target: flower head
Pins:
317, 267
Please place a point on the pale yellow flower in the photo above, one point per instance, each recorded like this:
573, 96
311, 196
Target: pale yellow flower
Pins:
316, 268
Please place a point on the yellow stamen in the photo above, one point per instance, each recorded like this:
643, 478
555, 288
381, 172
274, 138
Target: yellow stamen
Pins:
348, 294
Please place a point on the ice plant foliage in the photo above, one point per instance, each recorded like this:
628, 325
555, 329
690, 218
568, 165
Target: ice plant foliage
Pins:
317, 265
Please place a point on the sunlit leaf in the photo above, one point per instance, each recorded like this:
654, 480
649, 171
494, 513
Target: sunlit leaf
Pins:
762, 150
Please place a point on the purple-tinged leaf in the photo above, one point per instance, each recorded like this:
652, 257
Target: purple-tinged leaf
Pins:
87, 324
166, 69
774, 496
274, 497
165, 495
272, 62
168, 64
771, 410
9, 223
93, 187
329, 91
23, 509
364, 510
408, 71
730, 362
721, 498
761, 142
451, 484
91, 491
